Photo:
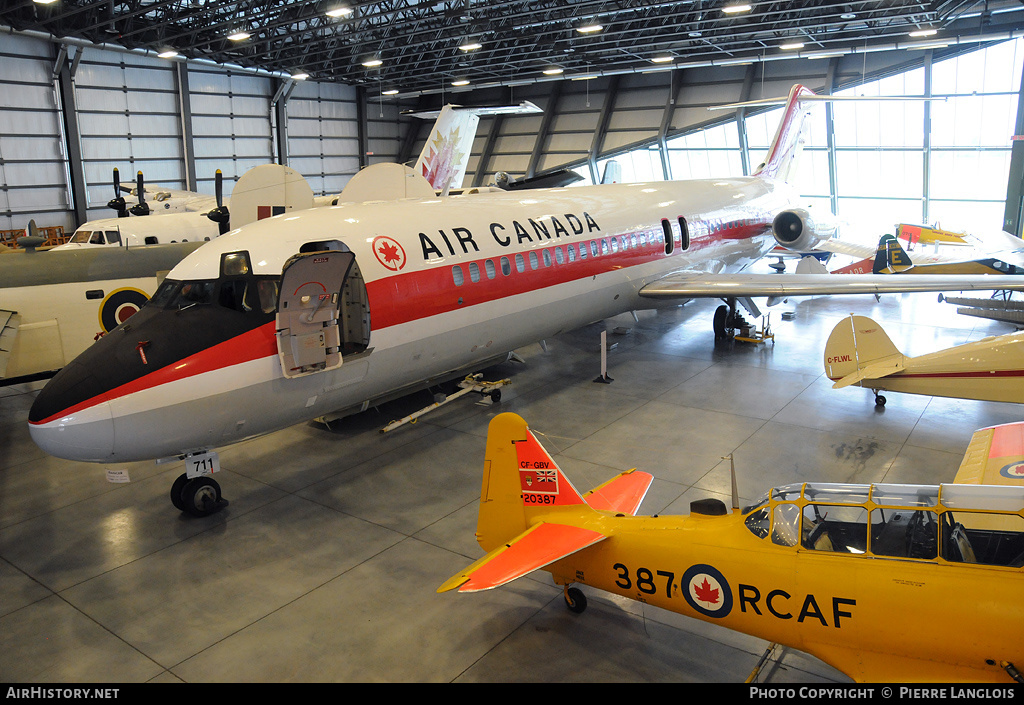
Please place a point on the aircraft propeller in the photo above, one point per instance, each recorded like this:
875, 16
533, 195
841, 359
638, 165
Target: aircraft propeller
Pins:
220, 215
142, 208
117, 202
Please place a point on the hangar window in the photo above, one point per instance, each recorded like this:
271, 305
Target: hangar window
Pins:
457, 275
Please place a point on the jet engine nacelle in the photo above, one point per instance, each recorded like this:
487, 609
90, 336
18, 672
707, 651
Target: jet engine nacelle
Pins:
796, 229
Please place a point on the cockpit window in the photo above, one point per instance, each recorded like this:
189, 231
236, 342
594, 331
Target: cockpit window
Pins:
786, 524
835, 528
244, 294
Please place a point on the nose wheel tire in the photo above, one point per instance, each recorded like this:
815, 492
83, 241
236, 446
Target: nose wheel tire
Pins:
198, 496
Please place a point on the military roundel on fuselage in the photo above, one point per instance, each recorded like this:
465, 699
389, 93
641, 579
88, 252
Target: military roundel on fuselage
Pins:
707, 591
119, 305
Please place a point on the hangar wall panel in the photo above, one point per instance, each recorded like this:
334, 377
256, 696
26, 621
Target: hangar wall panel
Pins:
231, 124
323, 135
128, 118
33, 163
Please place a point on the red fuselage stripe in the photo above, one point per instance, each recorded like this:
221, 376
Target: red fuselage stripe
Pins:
415, 295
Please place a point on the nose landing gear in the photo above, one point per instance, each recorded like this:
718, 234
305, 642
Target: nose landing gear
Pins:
197, 496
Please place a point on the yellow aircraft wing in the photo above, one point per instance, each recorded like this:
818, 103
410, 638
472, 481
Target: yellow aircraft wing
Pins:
533, 549
995, 456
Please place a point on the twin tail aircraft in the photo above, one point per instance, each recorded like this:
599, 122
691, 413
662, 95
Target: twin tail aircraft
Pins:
328, 310
886, 583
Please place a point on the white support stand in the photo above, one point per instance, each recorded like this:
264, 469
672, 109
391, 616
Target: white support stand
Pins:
472, 383
604, 378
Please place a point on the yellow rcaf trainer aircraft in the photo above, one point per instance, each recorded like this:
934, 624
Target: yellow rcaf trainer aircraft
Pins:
886, 583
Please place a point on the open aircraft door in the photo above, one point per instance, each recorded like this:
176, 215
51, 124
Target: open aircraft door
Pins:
308, 308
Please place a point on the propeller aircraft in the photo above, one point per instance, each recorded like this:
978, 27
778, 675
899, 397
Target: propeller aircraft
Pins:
330, 310
886, 583
859, 353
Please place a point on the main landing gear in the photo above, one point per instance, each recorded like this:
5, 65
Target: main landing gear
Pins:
728, 319
199, 496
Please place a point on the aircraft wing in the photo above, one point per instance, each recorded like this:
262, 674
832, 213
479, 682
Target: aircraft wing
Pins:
9, 321
690, 284
621, 494
995, 456
538, 546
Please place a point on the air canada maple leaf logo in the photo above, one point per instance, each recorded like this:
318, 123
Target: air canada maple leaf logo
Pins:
389, 253
707, 591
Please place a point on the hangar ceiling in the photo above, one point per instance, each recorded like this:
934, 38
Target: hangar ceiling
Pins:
418, 43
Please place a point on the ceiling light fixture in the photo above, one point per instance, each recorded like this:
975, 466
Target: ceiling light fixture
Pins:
300, 76
239, 36
661, 59
339, 12
553, 71
792, 45
590, 28
470, 46
735, 9
390, 91
461, 82
372, 63
169, 54
924, 33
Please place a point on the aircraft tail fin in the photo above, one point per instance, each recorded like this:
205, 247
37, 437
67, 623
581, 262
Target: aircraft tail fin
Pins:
445, 155
612, 173
523, 497
857, 350
789, 138
520, 480
890, 257
268, 190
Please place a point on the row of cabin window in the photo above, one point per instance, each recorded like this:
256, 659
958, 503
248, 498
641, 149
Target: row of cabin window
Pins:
596, 248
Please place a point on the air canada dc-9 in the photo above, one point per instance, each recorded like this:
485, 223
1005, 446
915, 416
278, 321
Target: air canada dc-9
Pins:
330, 309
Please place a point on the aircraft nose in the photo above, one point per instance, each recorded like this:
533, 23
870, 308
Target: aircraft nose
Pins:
70, 420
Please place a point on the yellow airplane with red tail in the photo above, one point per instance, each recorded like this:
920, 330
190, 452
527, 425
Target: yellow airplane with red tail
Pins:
886, 583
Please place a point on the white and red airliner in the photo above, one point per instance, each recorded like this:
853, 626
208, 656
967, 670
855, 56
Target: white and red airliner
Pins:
294, 317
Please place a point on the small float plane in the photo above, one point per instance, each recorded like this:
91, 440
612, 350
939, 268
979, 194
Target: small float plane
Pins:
329, 310
886, 583
859, 353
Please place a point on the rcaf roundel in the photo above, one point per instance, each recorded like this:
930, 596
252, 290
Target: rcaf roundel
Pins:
1014, 471
119, 306
707, 591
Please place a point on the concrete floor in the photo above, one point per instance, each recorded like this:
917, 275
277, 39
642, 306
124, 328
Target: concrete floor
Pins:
324, 566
